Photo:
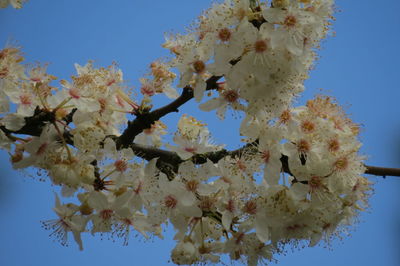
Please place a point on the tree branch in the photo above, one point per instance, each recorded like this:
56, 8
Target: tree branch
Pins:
148, 153
382, 171
168, 161
174, 160
215, 156
145, 120
33, 124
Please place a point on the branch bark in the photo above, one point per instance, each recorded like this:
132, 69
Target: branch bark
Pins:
145, 120
382, 171
169, 161
173, 159
33, 124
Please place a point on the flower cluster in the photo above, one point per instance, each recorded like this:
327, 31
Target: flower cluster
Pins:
192, 138
297, 179
264, 53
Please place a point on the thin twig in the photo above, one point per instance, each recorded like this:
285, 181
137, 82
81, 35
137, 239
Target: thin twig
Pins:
382, 171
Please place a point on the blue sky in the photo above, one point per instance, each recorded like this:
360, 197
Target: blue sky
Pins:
359, 66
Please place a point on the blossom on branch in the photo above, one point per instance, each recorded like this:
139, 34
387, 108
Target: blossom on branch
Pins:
298, 177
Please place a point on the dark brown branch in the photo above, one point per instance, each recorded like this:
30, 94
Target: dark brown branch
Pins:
218, 155
146, 119
285, 165
33, 124
382, 171
168, 161
148, 153
68, 118
173, 159
186, 95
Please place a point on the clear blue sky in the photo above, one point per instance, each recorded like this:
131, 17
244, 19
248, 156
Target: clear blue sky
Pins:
360, 66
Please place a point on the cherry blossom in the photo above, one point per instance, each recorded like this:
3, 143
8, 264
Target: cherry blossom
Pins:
297, 177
